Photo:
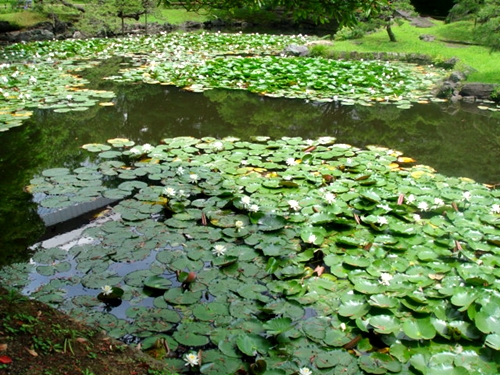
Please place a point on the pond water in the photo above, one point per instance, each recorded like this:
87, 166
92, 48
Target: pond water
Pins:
457, 139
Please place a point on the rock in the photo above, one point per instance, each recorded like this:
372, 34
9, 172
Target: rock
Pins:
448, 64
319, 42
295, 50
27, 36
427, 37
446, 90
78, 35
5, 27
457, 76
192, 25
477, 90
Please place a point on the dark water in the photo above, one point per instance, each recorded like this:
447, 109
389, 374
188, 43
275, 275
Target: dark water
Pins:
455, 139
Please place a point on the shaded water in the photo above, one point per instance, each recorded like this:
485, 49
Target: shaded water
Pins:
455, 139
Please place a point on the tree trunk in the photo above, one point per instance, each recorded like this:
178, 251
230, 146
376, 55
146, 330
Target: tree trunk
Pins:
392, 37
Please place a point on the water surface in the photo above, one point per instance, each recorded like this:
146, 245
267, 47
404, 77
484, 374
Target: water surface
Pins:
455, 139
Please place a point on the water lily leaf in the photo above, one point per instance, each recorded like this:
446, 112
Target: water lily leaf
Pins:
379, 363
271, 223
277, 326
157, 282
354, 309
385, 324
96, 147
493, 341
251, 344
383, 301
487, 322
178, 296
210, 311
192, 334
419, 329
336, 358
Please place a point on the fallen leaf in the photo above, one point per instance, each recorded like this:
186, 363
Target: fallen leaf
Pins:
32, 352
3, 347
5, 359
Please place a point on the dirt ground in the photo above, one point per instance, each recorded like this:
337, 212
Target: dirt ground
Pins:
38, 340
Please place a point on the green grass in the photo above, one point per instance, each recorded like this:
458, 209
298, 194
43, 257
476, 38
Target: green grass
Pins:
477, 57
177, 16
23, 19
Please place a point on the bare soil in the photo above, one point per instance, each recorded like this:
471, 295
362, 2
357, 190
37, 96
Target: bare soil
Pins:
36, 339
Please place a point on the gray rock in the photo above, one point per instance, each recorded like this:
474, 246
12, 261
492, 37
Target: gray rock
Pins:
6, 27
457, 76
446, 90
448, 64
295, 50
427, 37
477, 90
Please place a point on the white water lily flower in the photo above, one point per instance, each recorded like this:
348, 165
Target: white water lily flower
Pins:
385, 207
218, 145
239, 224
193, 177
69, 97
219, 250
180, 171
495, 208
294, 205
438, 201
423, 206
305, 371
107, 290
312, 238
182, 194
410, 198
329, 198
342, 326
147, 147
382, 220
253, 208
385, 278
169, 192
417, 217
466, 195
245, 201
191, 359
291, 161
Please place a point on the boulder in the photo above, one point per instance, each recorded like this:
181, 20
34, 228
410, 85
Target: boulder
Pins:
427, 37
5, 27
295, 50
477, 90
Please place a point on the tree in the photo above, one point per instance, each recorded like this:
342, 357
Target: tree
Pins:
390, 14
107, 17
488, 31
343, 12
486, 16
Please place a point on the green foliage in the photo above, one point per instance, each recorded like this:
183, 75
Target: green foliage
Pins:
486, 16
488, 30
340, 12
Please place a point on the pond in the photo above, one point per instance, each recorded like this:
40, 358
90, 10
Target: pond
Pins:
282, 252
457, 139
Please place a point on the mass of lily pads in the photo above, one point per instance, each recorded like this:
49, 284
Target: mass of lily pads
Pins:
279, 257
45, 74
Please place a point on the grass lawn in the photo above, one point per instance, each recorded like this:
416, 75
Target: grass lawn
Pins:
176, 16
479, 58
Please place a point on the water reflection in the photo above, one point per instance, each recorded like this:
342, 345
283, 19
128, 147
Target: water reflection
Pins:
455, 139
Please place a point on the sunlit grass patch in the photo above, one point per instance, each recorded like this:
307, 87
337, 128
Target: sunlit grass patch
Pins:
23, 19
477, 57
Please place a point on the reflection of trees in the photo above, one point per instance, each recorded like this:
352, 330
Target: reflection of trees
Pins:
463, 143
